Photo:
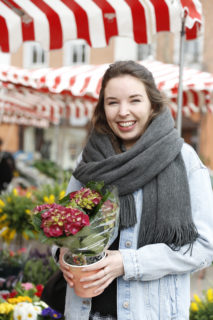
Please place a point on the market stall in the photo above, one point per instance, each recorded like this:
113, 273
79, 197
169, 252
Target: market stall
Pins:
52, 23
71, 92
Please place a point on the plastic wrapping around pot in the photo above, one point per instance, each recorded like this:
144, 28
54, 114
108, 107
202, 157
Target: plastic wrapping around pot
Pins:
91, 241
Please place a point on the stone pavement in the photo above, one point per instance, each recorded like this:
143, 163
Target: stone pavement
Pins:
201, 280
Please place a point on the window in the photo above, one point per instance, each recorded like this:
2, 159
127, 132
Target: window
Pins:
34, 55
76, 52
193, 52
146, 51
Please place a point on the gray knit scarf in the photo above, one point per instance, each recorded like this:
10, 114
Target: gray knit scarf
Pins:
154, 164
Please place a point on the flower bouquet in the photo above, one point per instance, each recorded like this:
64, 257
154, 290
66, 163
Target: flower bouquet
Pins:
84, 222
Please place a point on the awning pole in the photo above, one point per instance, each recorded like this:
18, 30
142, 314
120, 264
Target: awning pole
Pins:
180, 87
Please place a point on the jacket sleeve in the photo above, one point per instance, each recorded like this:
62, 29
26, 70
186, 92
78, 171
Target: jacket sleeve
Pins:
158, 260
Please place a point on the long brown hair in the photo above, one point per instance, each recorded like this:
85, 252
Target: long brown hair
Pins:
134, 69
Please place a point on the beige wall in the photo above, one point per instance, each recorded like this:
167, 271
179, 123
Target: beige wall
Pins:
97, 56
10, 136
206, 140
17, 58
206, 129
102, 55
165, 47
56, 59
208, 39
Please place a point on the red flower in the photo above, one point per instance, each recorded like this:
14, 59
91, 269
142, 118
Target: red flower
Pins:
59, 220
11, 253
39, 289
72, 194
22, 250
53, 231
11, 294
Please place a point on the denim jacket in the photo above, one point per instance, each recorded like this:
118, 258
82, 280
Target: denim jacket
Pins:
156, 280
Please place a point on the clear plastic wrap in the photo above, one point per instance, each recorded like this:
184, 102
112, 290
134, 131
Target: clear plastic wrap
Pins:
84, 222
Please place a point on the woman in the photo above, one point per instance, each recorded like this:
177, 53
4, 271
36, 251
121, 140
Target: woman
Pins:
166, 205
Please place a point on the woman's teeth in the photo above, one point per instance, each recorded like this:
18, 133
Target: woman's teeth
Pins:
126, 124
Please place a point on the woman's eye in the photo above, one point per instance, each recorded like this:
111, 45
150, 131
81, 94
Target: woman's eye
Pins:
135, 100
111, 103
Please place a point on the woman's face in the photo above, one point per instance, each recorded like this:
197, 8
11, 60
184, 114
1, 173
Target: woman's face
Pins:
127, 108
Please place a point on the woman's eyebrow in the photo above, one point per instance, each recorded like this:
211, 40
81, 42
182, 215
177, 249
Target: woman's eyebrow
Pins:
136, 95
110, 98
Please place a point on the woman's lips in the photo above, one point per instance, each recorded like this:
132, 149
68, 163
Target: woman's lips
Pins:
126, 125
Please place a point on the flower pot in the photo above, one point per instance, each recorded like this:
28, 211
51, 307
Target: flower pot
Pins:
78, 274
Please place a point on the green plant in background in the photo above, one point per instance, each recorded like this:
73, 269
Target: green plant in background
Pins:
39, 268
202, 308
48, 167
15, 216
13, 258
51, 169
11, 265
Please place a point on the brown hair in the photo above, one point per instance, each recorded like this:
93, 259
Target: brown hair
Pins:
134, 69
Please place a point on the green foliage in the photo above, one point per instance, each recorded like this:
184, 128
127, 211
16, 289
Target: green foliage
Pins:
51, 169
12, 258
15, 218
49, 193
38, 270
202, 309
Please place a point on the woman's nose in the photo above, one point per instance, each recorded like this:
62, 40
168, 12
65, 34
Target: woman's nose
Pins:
123, 109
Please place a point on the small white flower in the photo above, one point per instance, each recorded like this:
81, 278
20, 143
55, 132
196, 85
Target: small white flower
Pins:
38, 309
41, 304
25, 311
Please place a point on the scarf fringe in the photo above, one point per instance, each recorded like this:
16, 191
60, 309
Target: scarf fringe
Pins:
127, 211
174, 237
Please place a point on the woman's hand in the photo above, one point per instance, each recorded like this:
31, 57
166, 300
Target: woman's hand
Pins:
64, 268
108, 269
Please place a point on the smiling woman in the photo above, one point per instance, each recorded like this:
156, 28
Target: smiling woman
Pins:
166, 204
127, 108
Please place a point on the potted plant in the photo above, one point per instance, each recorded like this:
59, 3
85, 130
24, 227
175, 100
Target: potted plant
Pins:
84, 222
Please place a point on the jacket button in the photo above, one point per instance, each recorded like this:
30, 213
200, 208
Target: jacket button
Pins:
128, 244
126, 304
86, 302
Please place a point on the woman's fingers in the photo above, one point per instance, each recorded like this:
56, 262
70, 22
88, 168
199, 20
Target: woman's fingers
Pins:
95, 279
111, 268
68, 276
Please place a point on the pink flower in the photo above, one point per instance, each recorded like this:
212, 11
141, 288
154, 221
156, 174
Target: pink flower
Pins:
85, 198
61, 221
53, 231
72, 194
27, 286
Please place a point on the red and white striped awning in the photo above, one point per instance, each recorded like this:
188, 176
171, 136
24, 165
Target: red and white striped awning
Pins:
53, 22
32, 107
82, 83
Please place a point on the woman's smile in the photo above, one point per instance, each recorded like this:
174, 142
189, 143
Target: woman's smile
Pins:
126, 125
